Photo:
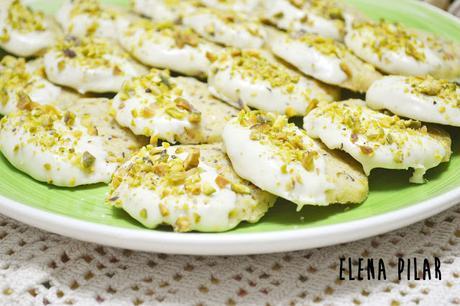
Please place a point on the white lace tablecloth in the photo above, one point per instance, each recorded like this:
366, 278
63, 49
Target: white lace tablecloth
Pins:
39, 268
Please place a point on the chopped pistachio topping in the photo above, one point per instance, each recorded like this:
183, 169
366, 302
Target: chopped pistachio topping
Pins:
324, 45
24, 101
329, 9
211, 56
92, 8
50, 130
4, 36
226, 16
88, 52
143, 213
168, 97
208, 189
442, 89
182, 224
15, 79
170, 173
182, 36
252, 65
227, 2
23, 19
172, 2
192, 160
346, 69
271, 129
394, 37
373, 128
13, 76
87, 160
221, 181
232, 19
240, 188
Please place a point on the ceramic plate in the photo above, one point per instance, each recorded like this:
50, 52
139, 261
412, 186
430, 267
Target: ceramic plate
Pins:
393, 202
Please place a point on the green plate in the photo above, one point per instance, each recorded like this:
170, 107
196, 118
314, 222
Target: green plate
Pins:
393, 202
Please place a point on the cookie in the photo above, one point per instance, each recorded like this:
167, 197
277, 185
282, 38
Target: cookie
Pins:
164, 10
175, 109
24, 32
90, 65
323, 17
395, 49
420, 98
20, 81
191, 188
377, 140
242, 6
280, 158
228, 28
65, 148
253, 78
167, 45
88, 18
324, 59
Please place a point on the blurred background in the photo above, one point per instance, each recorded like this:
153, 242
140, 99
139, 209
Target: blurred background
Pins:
449, 5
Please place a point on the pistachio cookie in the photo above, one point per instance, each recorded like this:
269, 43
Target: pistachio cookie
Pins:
170, 46
323, 17
377, 140
228, 28
280, 158
255, 79
395, 49
191, 188
88, 18
24, 32
20, 80
90, 65
164, 10
171, 108
80, 146
420, 98
324, 59
242, 6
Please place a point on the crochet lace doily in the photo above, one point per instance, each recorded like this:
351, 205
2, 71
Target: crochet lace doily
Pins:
39, 268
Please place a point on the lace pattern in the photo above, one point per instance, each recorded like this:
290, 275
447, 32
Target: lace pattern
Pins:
38, 268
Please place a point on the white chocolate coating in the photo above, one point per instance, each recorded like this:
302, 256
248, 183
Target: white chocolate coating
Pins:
79, 146
260, 164
396, 94
324, 59
227, 28
88, 18
183, 110
397, 50
309, 60
243, 6
264, 84
377, 140
199, 202
168, 46
163, 10
307, 18
90, 65
30, 153
28, 37
279, 157
18, 78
